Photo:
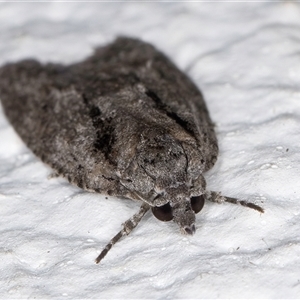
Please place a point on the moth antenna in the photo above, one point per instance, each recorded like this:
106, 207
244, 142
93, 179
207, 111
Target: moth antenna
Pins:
217, 197
128, 226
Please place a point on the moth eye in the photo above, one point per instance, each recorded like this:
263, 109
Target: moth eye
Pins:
163, 213
197, 203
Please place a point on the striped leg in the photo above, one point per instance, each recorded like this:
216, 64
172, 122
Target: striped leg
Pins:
218, 198
128, 226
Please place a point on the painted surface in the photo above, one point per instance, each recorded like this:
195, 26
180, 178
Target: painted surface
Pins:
245, 59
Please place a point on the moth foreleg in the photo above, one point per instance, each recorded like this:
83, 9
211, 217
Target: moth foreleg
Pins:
128, 226
217, 197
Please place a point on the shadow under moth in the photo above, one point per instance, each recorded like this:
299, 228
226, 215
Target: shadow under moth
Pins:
123, 122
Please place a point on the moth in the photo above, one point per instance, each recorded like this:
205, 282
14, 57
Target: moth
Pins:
124, 122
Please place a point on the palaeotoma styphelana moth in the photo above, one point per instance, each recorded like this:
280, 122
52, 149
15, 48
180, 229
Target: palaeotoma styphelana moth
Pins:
123, 122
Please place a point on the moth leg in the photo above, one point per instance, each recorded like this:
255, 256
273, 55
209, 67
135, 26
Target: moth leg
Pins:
218, 198
128, 226
53, 175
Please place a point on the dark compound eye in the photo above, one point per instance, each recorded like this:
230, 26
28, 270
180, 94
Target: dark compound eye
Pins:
197, 203
163, 213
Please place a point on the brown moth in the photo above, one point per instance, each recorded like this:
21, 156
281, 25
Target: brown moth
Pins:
124, 122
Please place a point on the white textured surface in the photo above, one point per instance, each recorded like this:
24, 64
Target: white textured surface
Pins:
245, 58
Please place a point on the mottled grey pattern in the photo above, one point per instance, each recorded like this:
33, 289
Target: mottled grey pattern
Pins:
125, 122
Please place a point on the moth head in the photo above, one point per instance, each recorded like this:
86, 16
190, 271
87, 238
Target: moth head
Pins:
181, 212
